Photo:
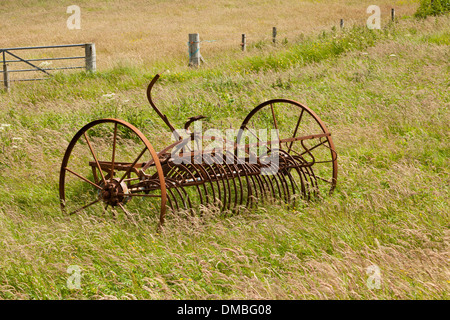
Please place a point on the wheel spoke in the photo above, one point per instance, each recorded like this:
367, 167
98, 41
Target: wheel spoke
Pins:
113, 151
95, 158
296, 128
84, 207
275, 124
134, 163
262, 143
83, 178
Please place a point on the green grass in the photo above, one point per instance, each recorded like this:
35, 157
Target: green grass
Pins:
383, 95
432, 8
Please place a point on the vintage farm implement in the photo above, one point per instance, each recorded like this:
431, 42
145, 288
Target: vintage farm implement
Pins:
109, 162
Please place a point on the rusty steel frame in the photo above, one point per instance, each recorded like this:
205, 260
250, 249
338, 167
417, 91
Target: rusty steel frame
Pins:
232, 185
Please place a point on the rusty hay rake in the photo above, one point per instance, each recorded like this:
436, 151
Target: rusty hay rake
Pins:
109, 162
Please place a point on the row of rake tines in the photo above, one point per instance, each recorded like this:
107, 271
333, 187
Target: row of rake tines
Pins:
238, 184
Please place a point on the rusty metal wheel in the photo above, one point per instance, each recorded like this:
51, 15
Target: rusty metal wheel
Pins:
305, 151
103, 166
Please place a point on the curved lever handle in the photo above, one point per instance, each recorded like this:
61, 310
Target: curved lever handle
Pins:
160, 114
192, 119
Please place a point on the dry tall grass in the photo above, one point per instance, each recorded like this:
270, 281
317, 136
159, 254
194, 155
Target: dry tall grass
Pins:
387, 108
139, 31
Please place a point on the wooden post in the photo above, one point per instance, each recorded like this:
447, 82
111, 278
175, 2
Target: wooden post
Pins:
274, 34
194, 50
244, 42
393, 15
6, 81
341, 23
90, 56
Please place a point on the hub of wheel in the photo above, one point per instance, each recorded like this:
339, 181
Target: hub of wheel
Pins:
113, 192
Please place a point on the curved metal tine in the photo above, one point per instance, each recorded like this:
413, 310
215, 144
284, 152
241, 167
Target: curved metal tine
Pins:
302, 183
208, 180
177, 184
188, 204
168, 195
232, 177
260, 181
254, 198
270, 178
238, 173
302, 188
246, 171
271, 188
169, 200
284, 173
298, 166
95, 157
185, 167
169, 189
277, 175
301, 167
215, 178
310, 180
309, 168
170, 178
204, 177
278, 187
290, 164
313, 179
222, 191
292, 197
284, 185
227, 188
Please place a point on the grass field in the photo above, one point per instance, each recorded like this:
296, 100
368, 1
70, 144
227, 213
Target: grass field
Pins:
384, 95
146, 32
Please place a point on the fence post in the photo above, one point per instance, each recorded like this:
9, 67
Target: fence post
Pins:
91, 59
274, 34
393, 15
6, 81
244, 42
194, 50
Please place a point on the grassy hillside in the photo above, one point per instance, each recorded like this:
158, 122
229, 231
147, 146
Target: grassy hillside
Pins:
383, 95
151, 31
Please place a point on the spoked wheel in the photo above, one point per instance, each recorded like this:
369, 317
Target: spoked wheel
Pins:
305, 151
102, 170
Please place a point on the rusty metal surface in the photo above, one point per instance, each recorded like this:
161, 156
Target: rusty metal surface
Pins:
306, 165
